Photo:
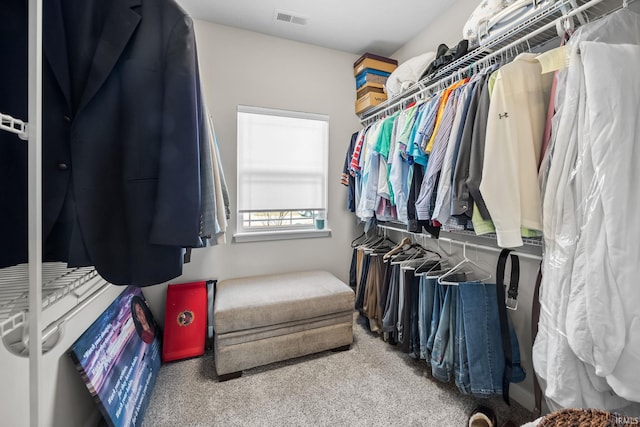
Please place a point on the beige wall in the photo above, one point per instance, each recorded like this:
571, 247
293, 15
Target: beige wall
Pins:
447, 29
243, 67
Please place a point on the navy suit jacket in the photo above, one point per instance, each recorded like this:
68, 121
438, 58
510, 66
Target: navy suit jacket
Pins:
13, 151
121, 162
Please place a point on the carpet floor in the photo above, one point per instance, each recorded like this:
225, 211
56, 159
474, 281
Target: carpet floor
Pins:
372, 384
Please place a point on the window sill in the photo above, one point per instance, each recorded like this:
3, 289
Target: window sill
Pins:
263, 236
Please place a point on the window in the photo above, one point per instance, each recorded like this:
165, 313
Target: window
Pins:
282, 173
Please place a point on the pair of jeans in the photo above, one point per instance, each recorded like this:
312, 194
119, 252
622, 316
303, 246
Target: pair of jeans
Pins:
370, 306
390, 316
461, 361
425, 312
402, 300
442, 356
485, 353
408, 312
414, 347
363, 281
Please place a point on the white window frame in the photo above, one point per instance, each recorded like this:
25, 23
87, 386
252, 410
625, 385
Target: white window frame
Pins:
280, 232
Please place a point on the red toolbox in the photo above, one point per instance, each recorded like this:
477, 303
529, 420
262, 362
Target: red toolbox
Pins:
185, 321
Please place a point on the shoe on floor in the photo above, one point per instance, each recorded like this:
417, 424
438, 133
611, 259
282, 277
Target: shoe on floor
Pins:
483, 417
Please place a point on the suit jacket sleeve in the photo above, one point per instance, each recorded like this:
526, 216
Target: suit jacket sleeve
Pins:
178, 207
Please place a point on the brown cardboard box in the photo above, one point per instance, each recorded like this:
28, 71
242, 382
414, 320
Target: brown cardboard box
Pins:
369, 100
376, 62
370, 87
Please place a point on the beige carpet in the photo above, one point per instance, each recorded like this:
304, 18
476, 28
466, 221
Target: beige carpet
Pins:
373, 384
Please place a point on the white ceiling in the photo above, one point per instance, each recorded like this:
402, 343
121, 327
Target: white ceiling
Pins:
357, 26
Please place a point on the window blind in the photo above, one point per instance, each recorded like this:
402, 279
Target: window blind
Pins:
282, 160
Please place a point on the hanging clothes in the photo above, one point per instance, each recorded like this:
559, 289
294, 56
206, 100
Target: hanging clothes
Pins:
122, 139
515, 124
585, 350
455, 327
13, 151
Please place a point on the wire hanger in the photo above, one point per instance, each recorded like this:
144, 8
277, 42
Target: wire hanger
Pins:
465, 261
440, 268
421, 258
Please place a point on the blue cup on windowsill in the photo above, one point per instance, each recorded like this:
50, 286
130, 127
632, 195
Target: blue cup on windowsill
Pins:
319, 221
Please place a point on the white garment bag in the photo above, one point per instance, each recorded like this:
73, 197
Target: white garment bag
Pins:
588, 347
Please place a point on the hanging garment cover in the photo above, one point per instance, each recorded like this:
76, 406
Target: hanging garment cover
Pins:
603, 314
587, 336
121, 147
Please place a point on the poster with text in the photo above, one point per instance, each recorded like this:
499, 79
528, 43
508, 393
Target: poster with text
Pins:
118, 358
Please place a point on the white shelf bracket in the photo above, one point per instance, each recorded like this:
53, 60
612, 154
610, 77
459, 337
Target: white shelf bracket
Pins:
16, 126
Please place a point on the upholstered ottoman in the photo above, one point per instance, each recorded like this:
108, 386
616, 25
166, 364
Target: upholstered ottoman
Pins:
265, 319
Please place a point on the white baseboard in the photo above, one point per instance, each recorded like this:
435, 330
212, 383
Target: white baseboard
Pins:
522, 395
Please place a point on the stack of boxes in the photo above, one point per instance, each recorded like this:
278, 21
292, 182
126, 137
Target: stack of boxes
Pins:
371, 72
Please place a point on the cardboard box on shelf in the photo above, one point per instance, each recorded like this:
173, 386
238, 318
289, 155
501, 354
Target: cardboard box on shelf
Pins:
369, 100
376, 62
371, 76
370, 87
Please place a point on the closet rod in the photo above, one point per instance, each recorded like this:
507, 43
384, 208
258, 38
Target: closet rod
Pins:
464, 243
491, 248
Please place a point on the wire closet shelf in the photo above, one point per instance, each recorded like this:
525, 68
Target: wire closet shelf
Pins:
58, 282
539, 29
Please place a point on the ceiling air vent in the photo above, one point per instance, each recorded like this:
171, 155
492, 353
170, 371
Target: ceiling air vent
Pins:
290, 17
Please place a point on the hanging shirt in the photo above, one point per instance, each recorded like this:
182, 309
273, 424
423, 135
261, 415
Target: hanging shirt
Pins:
515, 124
347, 178
428, 125
424, 203
410, 118
383, 146
442, 210
427, 119
369, 165
354, 164
443, 103
461, 204
399, 181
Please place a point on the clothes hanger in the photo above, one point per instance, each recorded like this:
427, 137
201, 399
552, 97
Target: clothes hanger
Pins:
429, 259
355, 242
465, 262
435, 272
408, 259
381, 243
413, 252
399, 248
439, 267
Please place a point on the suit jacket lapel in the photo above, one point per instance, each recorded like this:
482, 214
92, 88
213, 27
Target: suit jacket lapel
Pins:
119, 26
55, 45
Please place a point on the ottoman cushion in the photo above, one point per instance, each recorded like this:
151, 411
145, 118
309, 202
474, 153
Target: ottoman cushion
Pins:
259, 301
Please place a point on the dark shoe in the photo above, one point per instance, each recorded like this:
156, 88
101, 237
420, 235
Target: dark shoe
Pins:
509, 423
442, 50
483, 417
